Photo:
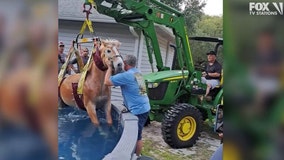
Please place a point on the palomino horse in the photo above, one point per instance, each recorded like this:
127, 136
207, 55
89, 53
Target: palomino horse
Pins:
95, 93
28, 99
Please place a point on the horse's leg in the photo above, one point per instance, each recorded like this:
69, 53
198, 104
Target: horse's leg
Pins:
108, 112
108, 106
91, 109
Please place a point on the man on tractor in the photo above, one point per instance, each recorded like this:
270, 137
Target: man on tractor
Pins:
212, 75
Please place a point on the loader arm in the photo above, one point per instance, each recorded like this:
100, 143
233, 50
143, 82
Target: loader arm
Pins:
143, 14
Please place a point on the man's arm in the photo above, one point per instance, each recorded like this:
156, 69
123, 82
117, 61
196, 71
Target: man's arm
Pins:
216, 74
107, 77
73, 61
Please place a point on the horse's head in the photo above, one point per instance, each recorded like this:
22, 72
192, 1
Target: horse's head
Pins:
109, 53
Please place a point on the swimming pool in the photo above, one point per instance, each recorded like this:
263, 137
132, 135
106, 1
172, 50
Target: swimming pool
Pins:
79, 139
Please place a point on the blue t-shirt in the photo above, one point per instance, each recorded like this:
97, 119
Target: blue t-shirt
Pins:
133, 90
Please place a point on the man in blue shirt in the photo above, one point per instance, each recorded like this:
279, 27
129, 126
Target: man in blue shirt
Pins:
218, 154
133, 90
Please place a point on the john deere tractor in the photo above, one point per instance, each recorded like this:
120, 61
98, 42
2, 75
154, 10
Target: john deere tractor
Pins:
175, 97
174, 92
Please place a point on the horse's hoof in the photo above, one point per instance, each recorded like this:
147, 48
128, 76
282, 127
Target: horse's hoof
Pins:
109, 123
97, 124
102, 132
114, 129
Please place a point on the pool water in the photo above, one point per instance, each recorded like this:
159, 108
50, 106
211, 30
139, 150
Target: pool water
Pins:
79, 139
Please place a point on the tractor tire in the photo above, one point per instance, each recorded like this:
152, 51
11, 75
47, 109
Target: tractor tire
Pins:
181, 125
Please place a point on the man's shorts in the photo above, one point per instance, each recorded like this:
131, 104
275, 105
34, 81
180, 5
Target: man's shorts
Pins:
142, 119
212, 82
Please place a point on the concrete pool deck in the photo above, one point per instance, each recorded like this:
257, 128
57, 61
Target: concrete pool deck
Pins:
127, 143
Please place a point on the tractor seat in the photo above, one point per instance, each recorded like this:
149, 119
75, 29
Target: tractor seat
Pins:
221, 81
213, 92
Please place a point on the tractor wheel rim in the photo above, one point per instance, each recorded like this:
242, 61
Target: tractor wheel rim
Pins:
186, 128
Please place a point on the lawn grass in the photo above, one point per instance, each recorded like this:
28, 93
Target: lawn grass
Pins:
151, 150
157, 151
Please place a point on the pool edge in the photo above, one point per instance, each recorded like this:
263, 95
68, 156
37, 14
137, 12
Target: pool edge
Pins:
127, 142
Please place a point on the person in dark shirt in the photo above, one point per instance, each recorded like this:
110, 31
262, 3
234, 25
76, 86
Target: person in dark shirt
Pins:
212, 74
61, 55
84, 57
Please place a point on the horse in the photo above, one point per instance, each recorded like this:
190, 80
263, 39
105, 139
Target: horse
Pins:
28, 98
95, 93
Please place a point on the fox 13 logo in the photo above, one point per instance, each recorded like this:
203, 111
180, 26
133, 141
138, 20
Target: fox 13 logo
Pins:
265, 8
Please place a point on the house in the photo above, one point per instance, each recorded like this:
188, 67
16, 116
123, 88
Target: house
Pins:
71, 18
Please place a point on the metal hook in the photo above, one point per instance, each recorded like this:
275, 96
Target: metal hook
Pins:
88, 11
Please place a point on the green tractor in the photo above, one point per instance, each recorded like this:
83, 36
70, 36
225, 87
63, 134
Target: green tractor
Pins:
175, 101
173, 92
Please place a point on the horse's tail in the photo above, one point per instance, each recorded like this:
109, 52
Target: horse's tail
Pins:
101, 101
60, 101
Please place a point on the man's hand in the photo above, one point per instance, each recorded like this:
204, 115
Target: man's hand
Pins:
107, 81
109, 64
204, 74
220, 135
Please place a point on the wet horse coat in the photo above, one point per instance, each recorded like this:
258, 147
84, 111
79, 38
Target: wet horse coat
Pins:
95, 93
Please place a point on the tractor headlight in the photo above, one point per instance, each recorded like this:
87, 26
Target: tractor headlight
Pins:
153, 85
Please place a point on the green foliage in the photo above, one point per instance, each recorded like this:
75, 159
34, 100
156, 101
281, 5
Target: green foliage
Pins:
199, 24
192, 10
208, 26
193, 13
211, 26
174, 4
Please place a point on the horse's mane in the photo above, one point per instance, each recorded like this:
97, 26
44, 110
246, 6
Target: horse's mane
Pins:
112, 41
108, 41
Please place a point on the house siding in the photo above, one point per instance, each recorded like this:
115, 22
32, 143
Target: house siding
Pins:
73, 10
166, 54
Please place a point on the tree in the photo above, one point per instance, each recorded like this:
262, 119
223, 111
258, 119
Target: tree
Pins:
208, 26
192, 10
174, 4
199, 24
193, 13
211, 26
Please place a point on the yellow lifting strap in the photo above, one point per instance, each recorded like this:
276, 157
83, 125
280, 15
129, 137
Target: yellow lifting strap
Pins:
84, 73
92, 2
62, 72
5, 58
86, 23
79, 62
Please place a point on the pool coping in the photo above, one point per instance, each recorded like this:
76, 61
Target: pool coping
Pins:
127, 142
